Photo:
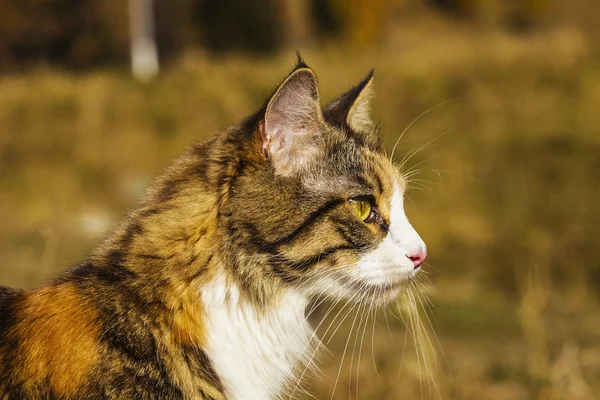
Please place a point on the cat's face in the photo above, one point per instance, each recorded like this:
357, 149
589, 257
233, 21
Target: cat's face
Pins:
366, 246
325, 205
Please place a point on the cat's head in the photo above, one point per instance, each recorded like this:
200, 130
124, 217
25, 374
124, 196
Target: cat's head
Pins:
319, 198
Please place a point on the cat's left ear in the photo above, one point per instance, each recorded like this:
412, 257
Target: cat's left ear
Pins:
353, 110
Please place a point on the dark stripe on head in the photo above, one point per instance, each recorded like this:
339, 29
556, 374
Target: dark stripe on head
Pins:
363, 181
315, 216
348, 237
379, 183
283, 273
308, 262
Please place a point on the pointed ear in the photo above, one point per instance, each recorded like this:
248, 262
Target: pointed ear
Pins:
292, 126
353, 108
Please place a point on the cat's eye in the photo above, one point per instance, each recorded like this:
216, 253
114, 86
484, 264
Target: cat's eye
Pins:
362, 208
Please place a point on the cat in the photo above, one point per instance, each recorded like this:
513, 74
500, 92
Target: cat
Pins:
202, 292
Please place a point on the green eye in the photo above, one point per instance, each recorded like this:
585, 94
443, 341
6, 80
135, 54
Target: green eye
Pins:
361, 208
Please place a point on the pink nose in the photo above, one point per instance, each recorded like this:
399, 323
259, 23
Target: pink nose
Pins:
418, 257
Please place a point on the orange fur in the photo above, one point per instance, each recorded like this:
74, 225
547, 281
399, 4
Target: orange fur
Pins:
59, 339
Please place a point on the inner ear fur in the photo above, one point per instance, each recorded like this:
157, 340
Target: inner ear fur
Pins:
292, 126
352, 110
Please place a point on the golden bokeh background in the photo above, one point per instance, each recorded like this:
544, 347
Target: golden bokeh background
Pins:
499, 103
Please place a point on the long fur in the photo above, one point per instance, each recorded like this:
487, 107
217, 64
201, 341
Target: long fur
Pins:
201, 293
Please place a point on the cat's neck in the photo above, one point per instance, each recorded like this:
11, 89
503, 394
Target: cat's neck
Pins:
254, 350
180, 253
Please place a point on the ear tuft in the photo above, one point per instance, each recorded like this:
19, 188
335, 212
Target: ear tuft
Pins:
291, 133
299, 61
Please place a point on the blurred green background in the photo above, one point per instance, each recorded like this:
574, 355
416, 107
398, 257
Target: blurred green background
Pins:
502, 101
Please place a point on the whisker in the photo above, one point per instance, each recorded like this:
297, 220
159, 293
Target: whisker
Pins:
343, 356
417, 119
361, 344
456, 173
373, 341
414, 152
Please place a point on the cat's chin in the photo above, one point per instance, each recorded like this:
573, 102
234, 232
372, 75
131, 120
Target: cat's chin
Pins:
385, 292
374, 293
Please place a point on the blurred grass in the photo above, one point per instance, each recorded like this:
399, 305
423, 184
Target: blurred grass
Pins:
508, 201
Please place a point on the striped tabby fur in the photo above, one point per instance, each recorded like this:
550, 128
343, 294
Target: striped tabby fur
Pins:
202, 291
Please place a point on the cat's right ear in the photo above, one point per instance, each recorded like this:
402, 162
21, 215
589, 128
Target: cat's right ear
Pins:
292, 127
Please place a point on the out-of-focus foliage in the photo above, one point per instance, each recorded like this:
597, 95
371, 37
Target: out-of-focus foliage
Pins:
518, 13
76, 33
88, 33
359, 22
241, 25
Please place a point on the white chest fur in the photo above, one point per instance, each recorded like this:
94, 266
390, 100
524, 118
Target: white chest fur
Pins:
254, 353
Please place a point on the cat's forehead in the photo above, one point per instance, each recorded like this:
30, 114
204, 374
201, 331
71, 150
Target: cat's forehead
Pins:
355, 170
